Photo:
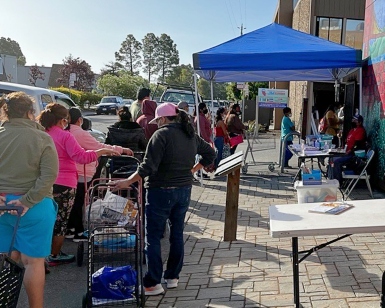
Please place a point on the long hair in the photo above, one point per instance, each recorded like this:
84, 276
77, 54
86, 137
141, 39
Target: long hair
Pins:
52, 114
218, 116
15, 105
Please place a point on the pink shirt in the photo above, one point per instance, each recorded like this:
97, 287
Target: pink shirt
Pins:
88, 142
70, 153
205, 129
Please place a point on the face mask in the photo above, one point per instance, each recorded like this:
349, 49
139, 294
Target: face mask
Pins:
238, 112
289, 115
354, 124
205, 111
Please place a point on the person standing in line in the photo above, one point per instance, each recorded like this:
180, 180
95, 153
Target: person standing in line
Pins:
148, 110
136, 106
168, 167
55, 119
234, 124
287, 127
75, 227
204, 123
29, 167
184, 106
221, 134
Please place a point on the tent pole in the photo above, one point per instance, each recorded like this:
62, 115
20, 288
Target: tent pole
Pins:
197, 116
212, 104
360, 89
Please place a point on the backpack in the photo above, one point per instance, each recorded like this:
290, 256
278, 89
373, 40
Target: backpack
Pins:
322, 126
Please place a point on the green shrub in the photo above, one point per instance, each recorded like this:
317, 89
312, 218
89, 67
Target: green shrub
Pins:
80, 97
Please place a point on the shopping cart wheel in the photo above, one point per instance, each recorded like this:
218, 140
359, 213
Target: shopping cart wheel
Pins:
244, 169
271, 167
80, 254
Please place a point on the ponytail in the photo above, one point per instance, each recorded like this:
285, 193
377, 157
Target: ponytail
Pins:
52, 114
184, 119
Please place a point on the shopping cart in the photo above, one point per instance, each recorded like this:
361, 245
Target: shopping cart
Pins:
115, 239
11, 273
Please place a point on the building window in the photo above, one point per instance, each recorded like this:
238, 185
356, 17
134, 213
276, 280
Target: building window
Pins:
329, 29
354, 33
332, 28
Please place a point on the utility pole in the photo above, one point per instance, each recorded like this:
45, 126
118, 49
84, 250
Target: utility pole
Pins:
241, 28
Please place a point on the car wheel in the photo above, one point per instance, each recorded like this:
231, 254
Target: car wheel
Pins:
98, 112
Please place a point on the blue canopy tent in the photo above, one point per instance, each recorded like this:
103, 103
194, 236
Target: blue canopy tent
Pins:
276, 53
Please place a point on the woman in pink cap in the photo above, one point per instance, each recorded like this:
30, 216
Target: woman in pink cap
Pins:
168, 168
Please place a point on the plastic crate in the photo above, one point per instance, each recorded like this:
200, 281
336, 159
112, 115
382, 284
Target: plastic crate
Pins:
11, 280
326, 192
314, 178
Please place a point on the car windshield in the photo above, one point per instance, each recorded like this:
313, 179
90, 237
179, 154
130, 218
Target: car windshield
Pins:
108, 100
175, 97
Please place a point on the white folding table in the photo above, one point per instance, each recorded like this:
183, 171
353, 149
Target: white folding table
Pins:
295, 220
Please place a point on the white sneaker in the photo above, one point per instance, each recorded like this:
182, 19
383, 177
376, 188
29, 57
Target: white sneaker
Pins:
155, 290
171, 283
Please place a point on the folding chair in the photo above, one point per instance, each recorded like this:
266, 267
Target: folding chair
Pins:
352, 179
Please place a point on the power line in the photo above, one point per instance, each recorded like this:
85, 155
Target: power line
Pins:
228, 12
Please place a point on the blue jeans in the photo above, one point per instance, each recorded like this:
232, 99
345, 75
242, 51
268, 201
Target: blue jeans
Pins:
338, 164
218, 142
163, 204
288, 154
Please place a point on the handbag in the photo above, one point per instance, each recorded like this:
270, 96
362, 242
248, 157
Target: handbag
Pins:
234, 141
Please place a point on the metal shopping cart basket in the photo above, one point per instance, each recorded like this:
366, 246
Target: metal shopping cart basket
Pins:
11, 273
114, 241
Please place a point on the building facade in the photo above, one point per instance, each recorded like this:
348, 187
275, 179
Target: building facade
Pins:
340, 21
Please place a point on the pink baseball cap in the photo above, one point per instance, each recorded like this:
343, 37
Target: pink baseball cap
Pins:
164, 110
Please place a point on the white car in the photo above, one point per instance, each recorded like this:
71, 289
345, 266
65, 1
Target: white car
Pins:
176, 95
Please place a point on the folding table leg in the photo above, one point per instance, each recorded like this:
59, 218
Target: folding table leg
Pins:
294, 242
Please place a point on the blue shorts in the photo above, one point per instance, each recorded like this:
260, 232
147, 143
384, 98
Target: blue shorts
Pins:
34, 235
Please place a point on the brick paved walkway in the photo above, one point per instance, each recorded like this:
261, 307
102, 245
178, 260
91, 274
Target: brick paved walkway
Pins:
255, 270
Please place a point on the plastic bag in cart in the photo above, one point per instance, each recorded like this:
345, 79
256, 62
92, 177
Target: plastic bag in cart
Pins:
115, 241
116, 283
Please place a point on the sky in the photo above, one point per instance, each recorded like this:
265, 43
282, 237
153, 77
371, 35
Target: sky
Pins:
50, 30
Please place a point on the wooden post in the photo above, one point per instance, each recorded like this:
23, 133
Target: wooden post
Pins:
232, 199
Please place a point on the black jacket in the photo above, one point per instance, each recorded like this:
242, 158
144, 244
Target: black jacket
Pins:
128, 138
170, 156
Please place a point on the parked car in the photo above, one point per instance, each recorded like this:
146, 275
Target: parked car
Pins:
42, 97
176, 94
109, 105
127, 102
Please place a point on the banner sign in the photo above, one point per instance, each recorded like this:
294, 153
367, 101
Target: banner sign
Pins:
272, 98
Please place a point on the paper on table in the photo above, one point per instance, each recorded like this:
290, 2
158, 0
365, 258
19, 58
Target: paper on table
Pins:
331, 208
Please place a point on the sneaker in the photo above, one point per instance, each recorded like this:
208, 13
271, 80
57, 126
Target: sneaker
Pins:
61, 258
155, 290
70, 233
46, 268
80, 238
171, 283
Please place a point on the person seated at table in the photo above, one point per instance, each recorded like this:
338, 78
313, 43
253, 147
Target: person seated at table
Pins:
287, 127
356, 140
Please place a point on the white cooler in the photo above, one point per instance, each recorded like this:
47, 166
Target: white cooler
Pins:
326, 192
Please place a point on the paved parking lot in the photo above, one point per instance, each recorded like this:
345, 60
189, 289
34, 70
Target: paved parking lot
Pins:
255, 270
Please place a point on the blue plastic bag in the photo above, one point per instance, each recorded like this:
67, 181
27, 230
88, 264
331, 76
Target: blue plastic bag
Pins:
116, 283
